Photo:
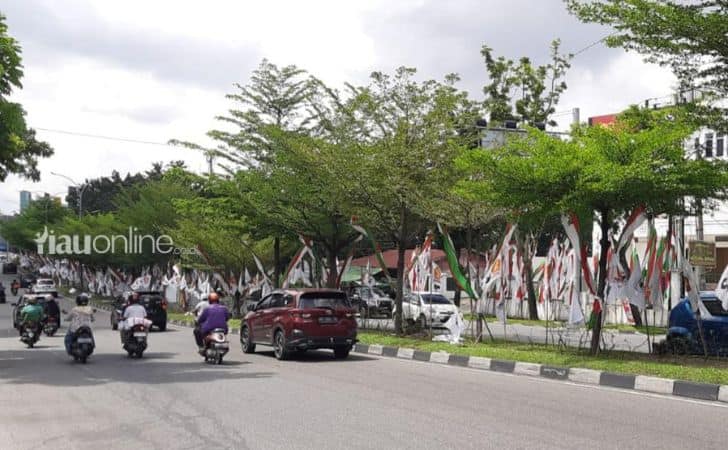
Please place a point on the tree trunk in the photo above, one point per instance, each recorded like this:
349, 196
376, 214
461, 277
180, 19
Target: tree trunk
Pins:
333, 270
276, 262
597, 331
401, 247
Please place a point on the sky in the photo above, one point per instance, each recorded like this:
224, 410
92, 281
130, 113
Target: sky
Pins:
156, 70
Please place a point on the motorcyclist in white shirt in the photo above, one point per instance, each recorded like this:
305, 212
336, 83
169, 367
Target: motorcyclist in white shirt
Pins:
132, 311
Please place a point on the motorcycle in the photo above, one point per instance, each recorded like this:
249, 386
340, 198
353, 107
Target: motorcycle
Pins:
29, 334
82, 344
50, 325
134, 340
216, 346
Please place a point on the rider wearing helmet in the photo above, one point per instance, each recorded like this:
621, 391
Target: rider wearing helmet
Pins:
31, 314
80, 316
51, 309
214, 316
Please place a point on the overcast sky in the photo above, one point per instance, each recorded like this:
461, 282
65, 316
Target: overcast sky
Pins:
154, 70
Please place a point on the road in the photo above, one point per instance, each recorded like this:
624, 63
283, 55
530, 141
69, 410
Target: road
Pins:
170, 399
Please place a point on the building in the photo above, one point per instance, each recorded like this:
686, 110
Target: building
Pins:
25, 199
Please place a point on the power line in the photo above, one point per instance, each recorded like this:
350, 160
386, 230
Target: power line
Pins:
580, 51
99, 136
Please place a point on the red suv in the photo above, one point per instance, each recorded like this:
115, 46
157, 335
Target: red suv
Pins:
296, 320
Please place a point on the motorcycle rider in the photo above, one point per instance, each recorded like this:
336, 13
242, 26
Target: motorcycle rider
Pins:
14, 286
51, 309
214, 316
31, 315
133, 310
80, 316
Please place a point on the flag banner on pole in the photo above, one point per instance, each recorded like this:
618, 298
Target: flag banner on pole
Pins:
375, 247
452, 260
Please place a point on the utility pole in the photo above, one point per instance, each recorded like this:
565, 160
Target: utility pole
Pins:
575, 119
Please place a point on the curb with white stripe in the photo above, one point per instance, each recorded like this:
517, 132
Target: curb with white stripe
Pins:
655, 385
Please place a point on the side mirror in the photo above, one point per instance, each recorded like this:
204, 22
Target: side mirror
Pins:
250, 307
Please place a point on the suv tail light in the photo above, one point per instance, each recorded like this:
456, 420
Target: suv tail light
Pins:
301, 315
164, 304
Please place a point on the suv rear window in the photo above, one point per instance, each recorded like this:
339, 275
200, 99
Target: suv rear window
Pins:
323, 300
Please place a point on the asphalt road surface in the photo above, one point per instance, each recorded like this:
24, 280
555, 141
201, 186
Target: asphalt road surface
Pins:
170, 399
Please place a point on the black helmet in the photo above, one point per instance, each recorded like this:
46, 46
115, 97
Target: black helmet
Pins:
82, 300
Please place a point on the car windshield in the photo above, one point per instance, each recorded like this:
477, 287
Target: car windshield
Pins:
332, 300
435, 299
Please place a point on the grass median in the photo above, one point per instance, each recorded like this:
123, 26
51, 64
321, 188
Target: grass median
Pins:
712, 370
233, 324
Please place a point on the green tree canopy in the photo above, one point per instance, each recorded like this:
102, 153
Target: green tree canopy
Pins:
19, 148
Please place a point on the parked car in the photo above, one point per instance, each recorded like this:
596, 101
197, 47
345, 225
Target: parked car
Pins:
153, 301
298, 320
10, 268
44, 286
426, 309
17, 307
27, 279
683, 334
371, 301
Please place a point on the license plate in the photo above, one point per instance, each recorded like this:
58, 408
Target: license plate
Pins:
140, 334
84, 340
221, 345
328, 319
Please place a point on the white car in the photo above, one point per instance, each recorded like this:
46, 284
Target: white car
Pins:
425, 309
43, 286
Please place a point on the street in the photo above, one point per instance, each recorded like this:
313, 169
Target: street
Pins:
171, 399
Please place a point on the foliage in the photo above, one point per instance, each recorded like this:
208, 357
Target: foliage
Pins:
603, 170
534, 91
688, 37
19, 148
21, 230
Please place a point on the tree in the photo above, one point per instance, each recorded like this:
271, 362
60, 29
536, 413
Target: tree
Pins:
99, 193
21, 230
401, 139
19, 148
688, 37
604, 172
533, 91
274, 99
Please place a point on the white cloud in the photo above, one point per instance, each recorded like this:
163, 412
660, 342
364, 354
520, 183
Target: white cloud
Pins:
159, 70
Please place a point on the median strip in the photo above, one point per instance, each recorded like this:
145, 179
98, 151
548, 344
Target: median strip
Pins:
664, 386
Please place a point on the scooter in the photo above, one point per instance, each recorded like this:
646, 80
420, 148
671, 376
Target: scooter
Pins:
50, 325
82, 344
216, 346
29, 334
134, 340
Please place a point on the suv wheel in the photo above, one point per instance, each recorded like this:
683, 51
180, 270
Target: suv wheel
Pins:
248, 346
279, 346
341, 352
163, 326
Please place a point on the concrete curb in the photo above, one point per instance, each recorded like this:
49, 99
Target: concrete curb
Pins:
664, 386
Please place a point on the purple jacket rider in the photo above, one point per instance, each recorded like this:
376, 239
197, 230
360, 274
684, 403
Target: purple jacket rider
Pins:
214, 316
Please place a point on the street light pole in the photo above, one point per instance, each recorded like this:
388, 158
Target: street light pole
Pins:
79, 187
